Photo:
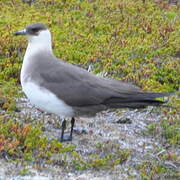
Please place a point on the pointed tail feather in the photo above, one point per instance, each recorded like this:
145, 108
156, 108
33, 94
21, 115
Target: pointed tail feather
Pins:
136, 100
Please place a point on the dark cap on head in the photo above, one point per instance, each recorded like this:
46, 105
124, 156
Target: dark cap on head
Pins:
32, 29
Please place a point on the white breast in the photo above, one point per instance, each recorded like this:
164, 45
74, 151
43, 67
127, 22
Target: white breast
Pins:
47, 101
36, 44
39, 96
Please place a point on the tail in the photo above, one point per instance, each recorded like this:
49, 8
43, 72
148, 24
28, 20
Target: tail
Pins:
136, 100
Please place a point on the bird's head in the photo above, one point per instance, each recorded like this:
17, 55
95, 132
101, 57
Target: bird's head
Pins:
36, 33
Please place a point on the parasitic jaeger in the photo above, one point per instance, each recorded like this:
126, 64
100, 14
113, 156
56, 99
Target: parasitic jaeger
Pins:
70, 91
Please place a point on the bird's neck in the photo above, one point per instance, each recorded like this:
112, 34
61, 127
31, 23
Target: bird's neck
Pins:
38, 47
32, 50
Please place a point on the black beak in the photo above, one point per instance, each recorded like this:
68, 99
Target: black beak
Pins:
22, 32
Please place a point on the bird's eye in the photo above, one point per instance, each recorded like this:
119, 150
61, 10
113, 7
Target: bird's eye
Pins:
35, 30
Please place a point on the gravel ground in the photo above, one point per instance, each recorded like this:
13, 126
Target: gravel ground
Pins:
124, 127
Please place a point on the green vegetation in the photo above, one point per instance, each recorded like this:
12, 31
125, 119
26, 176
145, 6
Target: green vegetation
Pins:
114, 156
162, 165
130, 40
23, 141
151, 169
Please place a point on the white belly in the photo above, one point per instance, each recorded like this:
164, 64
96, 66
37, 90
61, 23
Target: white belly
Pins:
45, 100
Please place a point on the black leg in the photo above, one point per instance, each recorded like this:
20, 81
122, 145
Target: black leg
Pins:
72, 126
63, 128
67, 138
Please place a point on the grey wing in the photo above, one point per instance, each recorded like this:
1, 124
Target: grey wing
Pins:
75, 86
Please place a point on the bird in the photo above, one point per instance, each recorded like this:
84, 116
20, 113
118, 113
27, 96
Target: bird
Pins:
69, 91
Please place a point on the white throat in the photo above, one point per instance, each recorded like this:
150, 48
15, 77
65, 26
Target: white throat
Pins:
39, 96
41, 42
36, 44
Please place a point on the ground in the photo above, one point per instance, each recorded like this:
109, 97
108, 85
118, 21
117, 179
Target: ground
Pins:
134, 41
125, 129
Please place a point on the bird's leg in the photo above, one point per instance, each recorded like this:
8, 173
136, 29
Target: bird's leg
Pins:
72, 126
63, 128
67, 138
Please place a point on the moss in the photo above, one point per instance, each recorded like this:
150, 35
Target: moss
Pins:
23, 172
134, 35
162, 165
113, 156
130, 40
168, 128
153, 170
26, 143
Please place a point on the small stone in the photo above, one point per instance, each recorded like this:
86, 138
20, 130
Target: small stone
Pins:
124, 121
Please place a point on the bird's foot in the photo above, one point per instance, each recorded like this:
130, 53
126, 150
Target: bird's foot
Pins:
65, 138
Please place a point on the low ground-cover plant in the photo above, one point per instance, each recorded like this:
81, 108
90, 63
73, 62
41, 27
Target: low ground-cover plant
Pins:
134, 41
